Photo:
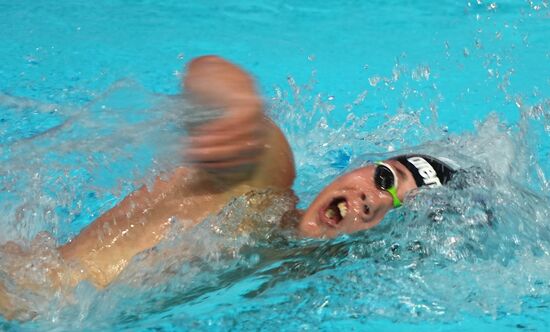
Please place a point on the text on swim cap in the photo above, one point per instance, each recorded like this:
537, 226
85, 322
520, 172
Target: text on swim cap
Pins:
428, 173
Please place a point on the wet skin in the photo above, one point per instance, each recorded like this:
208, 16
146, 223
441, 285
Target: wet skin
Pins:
241, 151
353, 203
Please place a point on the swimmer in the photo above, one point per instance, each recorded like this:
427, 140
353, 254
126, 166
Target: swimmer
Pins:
241, 151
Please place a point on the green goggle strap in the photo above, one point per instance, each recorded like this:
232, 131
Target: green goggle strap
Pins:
393, 193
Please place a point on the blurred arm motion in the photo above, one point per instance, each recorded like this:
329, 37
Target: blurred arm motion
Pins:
229, 156
239, 151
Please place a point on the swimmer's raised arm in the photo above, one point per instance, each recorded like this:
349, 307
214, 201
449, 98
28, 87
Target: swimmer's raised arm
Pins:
229, 156
235, 145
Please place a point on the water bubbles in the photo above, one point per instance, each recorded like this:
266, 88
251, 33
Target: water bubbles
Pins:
505, 83
466, 52
311, 57
478, 43
519, 102
447, 49
323, 124
360, 98
537, 110
525, 39
374, 80
421, 72
396, 73
31, 59
538, 6
292, 83
181, 56
492, 6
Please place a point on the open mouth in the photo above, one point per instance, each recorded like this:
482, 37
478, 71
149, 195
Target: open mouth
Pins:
335, 211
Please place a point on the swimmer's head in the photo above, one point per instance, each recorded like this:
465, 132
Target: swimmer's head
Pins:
355, 201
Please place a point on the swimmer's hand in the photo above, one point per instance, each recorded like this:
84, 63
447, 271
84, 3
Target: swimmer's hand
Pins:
235, 141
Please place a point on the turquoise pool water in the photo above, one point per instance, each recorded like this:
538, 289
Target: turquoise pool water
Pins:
85, 117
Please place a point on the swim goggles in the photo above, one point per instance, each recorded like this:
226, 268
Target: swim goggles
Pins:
386, 179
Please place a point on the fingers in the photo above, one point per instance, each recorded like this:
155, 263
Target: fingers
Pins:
234, 140
204, 139
228, 152
229, 165
235, 118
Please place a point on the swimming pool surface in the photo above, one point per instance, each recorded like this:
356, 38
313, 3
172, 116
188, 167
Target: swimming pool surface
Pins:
86, 117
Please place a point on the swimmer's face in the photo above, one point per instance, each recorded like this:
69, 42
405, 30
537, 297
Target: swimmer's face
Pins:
349, 204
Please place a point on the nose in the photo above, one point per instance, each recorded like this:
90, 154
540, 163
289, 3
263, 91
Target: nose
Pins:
371, 203
364, 206
366, 209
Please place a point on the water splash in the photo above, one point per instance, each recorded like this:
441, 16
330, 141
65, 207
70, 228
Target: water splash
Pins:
444, 258
429, 262
55, 173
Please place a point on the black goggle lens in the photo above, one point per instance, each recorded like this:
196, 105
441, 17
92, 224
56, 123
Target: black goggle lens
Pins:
383, 177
